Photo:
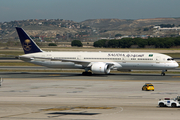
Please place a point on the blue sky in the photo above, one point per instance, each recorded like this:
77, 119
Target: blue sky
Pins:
80, 10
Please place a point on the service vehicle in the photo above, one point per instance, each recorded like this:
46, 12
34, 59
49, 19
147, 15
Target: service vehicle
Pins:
167, 102
148, 87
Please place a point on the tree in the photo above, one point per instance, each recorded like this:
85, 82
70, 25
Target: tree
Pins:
113, 43
76, 43
126, 42
146, 29
100, 43
177, 41
167, 25
168, 42
152, 41
118, 35
141, 42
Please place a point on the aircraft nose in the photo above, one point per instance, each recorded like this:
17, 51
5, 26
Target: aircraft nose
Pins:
176, 64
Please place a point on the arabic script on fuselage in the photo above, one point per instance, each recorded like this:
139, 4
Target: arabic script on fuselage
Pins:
124, 55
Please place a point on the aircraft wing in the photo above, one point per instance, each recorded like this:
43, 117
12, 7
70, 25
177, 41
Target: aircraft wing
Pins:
80, 62
83, 63
28, 58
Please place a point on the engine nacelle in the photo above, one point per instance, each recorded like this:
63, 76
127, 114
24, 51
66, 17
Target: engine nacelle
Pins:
101, 68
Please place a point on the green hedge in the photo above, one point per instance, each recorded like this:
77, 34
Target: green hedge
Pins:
128, 42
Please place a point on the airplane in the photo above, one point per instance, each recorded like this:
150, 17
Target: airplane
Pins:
93, 62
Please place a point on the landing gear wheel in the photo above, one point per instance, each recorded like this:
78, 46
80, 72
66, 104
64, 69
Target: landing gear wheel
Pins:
163, 74
87, 73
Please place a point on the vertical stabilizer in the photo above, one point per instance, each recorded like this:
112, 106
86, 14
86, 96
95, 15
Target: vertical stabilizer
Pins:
28, 45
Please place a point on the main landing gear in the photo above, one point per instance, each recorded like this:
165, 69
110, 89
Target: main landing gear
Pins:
87, 73
163, 72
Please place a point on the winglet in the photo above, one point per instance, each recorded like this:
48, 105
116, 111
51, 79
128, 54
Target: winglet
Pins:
28, 45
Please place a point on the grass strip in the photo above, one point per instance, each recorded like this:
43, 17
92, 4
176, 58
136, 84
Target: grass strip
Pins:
16, 64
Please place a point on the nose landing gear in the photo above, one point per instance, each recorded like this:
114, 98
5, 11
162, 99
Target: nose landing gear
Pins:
163, 72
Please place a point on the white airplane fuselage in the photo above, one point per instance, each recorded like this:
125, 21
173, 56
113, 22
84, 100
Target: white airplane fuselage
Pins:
120, 60
95, 62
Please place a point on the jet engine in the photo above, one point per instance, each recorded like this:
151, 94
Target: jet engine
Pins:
101, 68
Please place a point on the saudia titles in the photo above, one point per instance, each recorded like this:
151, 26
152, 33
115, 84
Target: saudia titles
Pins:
27, 45
125, 55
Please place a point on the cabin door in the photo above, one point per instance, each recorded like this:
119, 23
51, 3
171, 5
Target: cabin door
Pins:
80, 57
124, 59
158, 58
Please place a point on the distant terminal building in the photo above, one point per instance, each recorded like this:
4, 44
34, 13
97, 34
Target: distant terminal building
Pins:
165, 28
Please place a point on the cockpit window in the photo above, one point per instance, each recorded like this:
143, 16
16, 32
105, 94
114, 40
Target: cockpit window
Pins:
170, 59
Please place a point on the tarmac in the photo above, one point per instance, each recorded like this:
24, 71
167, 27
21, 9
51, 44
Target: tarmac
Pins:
71, 96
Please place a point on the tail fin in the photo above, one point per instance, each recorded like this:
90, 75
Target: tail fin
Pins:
28, 45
